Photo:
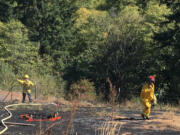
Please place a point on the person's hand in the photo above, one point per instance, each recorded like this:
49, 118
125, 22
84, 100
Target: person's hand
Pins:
153, 104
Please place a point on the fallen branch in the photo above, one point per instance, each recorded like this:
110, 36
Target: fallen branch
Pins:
20, 124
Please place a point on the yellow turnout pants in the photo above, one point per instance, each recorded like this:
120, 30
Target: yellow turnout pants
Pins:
146, 108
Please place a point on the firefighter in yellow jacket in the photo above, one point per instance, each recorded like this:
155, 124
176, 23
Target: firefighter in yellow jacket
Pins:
27, 84
147, 97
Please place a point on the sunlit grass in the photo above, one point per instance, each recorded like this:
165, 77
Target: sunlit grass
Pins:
108, 128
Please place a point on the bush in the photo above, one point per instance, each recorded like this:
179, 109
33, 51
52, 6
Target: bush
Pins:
82, 87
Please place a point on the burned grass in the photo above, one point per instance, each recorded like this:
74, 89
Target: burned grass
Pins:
95, 121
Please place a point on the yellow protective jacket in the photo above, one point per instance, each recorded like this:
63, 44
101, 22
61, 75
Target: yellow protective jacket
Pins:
147, 93
26, 85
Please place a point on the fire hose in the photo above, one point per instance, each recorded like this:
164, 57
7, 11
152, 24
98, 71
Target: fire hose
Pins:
10, 114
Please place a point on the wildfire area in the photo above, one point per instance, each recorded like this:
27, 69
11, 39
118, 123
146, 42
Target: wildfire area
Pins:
30, 120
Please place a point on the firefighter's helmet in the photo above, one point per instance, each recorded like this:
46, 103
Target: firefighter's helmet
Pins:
152, 78
26, 76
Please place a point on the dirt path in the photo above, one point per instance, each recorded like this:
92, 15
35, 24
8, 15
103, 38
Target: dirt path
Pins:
8, 96
161, 123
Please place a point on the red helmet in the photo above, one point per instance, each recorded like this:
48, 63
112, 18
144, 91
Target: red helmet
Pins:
152, 78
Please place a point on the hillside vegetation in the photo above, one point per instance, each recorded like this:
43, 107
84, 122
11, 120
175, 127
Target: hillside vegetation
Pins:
67, 44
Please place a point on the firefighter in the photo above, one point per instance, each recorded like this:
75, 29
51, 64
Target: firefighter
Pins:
147, 96
27, 84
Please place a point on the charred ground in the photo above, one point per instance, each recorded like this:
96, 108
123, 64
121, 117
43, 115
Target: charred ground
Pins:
90, 120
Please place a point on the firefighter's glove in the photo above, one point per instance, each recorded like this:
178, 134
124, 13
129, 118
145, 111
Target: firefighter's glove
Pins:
29, 91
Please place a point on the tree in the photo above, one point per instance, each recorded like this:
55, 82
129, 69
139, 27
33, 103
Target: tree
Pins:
6, 10
169, 54
15, 47
49, 23
90, 35
123, 51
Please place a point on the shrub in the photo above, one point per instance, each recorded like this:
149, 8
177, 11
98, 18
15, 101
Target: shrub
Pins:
82, 87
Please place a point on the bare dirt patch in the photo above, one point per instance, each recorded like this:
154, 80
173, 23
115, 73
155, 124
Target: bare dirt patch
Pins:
161, 123
7, 96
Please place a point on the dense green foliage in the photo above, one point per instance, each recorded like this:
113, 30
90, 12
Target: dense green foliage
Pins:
65, 41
